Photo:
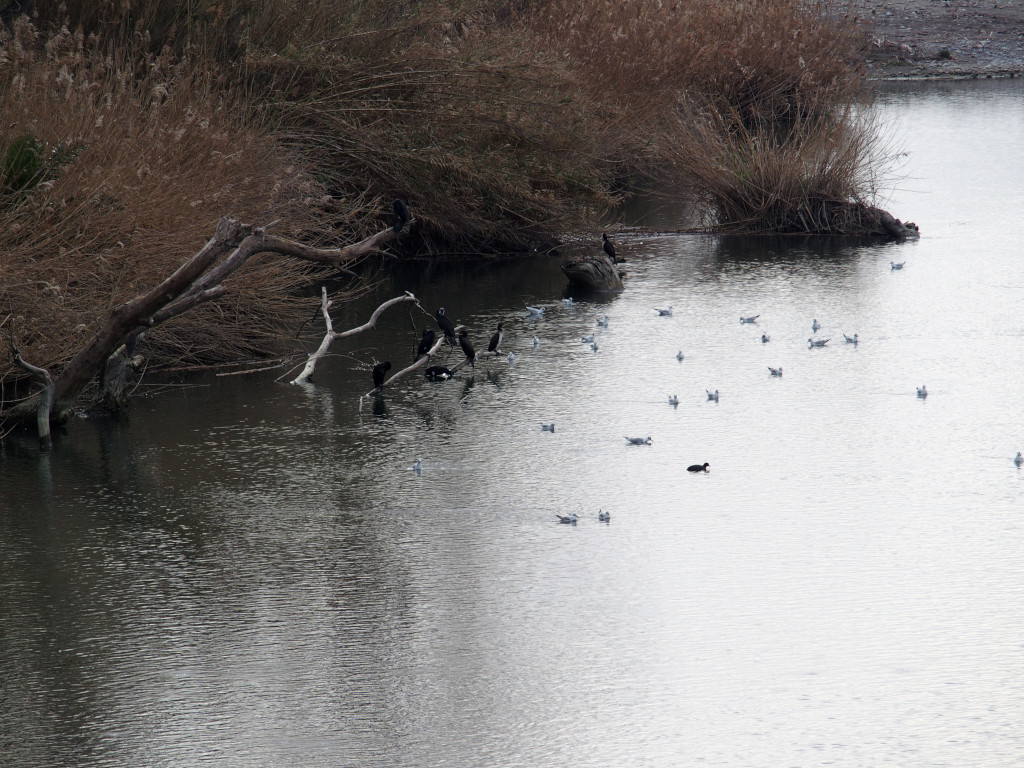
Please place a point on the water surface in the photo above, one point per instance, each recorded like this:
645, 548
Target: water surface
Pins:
246, 573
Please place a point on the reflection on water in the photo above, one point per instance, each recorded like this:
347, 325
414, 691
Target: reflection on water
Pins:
246, 573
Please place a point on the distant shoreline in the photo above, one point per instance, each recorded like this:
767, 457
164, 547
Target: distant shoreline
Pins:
942, 39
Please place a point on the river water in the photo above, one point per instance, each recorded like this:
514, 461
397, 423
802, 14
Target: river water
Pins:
243, 572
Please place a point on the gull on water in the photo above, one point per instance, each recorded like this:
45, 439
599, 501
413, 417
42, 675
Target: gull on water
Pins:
667, 312
850, 339
535, 311
679, 355
606, 517
593, 345
603, 321
567, 302
712, 395
547, 427
1018, 459
536, 341
817, 342
765, 338
815, 325
567, 519
588, 339
418, 466
894, 265
922, 391
511, 358
776, 371
673, 400
751, 319
639, 440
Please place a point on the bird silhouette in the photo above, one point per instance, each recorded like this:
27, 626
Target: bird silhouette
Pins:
379, 371
608, 246
467, 347
402, 216
426, 342
446, 325
698, 467
495, 342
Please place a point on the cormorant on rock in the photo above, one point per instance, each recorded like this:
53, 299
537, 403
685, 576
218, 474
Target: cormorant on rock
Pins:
495, 341
379, 370
402, 216
445, 325
425, 343
467, 347
438, 373
698, 467
609, 246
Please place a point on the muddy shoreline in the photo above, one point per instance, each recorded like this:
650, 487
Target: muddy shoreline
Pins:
942, 38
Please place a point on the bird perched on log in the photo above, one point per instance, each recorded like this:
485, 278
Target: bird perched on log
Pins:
402, 216
425, 343
495, 342
379, 371
467, 347
608, 246
446, 325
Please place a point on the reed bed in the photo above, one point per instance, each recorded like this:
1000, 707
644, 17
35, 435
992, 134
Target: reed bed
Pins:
504, 125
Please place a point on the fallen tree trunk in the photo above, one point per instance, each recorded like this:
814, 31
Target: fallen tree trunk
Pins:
198, 280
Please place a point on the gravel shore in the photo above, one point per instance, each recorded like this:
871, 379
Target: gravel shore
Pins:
943, 38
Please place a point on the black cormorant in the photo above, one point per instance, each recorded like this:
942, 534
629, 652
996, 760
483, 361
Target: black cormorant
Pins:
425, 343
378, 373
608, 246
402, 216
445, 325
467, 347
495, 341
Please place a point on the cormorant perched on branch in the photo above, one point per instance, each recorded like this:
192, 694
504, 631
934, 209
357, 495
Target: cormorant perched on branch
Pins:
609, 246
495, 340
402, 216
467, 347
425, 343
378, 373
445, 325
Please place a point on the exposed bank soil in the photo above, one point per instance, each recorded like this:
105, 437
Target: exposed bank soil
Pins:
943, 38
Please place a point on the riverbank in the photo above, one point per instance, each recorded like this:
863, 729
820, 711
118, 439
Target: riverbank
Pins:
942, 38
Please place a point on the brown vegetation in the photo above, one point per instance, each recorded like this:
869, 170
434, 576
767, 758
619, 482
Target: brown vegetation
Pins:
129, 127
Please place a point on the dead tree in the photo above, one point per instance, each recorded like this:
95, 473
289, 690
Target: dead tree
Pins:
198, 280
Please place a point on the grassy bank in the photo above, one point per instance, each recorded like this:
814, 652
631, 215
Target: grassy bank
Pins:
129, 128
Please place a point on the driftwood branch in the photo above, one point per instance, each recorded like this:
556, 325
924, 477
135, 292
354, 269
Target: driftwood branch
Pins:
45, 403
331, 335
198, 280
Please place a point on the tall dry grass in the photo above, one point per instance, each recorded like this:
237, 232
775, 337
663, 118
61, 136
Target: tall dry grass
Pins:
158, 159
504, 123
